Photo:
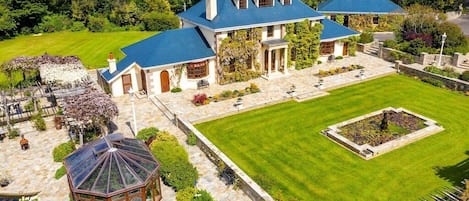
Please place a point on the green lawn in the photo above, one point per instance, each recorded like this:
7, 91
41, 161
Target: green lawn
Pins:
281, 148
92, 48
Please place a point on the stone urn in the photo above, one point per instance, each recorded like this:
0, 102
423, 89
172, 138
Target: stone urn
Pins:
58, 121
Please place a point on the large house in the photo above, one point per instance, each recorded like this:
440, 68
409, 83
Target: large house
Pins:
190, 57
375, 15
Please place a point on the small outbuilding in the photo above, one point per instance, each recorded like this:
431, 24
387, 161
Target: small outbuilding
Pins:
113, 168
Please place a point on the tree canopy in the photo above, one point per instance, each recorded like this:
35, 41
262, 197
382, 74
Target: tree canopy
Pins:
34, 16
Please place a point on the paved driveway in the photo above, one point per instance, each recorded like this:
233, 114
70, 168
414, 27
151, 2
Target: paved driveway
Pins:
463, 22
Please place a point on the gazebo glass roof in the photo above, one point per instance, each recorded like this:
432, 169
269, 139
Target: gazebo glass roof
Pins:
110, 164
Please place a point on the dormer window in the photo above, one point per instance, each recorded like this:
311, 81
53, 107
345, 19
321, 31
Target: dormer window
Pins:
286, 2
266, 3
270, 31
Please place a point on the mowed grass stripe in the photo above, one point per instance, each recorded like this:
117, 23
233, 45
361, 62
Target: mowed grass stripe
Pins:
284, 143
92, 48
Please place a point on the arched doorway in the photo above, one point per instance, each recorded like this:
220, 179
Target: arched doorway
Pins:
164, 79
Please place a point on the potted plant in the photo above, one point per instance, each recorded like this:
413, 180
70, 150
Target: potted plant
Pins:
4, 180
58, 118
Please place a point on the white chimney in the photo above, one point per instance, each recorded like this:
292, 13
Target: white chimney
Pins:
210, 9
112, 63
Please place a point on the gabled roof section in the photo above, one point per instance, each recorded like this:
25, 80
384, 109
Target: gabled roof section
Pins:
166, 48
333, 31
360, 7
231, 18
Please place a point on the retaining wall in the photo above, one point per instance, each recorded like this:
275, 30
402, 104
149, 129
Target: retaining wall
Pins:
244, 182
451, 83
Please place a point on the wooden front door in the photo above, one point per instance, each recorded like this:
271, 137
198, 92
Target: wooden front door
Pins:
345, 49
164, 79
126, 83
144, 80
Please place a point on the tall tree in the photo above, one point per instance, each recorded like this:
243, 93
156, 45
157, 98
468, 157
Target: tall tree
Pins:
7, 23
81, 9
27, 13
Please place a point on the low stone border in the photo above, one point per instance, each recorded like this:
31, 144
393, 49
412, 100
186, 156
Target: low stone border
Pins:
367, 151
251, 188
451, 83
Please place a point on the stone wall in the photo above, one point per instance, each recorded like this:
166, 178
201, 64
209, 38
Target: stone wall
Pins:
450, 83
251, 188
424, 58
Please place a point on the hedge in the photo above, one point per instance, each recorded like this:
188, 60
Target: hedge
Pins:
60, 152
146, 133
176, 170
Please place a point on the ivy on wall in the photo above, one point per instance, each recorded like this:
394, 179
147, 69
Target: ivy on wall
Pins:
238, 56
340, 19
365, 22
304, 43
352, 44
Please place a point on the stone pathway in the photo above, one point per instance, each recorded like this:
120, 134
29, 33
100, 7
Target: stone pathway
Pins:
273, 91
33, 170
148, 115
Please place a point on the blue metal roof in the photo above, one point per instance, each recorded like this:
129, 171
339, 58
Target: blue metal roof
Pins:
334, 31
169, 47
360, 7
230, 18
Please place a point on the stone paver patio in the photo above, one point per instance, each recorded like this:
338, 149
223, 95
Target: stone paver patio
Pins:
275, 90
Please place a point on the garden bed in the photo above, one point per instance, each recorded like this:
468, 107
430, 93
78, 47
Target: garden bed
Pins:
339, 70
381, 131
203, 99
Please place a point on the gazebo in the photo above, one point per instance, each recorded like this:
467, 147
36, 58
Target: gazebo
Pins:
113, 168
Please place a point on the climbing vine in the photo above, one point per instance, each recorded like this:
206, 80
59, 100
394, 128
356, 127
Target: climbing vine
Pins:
304, 43
365, 22
238, 56
352, 44
340, 19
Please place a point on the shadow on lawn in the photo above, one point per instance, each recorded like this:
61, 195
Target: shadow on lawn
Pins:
455, 173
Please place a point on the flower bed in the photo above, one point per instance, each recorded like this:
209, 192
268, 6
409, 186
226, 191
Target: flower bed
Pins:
382, 131
376, 130
338, 70
446, 71
203, 99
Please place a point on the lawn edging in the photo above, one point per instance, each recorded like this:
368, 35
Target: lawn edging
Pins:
245, 183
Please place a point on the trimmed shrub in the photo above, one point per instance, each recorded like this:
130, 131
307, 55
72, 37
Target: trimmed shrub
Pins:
146, 133
61, 151
464, 76
433, 82
176, 90
176, 170
191, 139
186, 194
254, 88
203, 195
339, 57
390, 43
60, 172
366, 37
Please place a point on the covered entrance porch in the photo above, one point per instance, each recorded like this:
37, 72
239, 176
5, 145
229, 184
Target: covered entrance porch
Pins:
275, 58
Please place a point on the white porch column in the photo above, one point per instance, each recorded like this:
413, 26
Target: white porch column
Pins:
277, 58
285, 60
269, 62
